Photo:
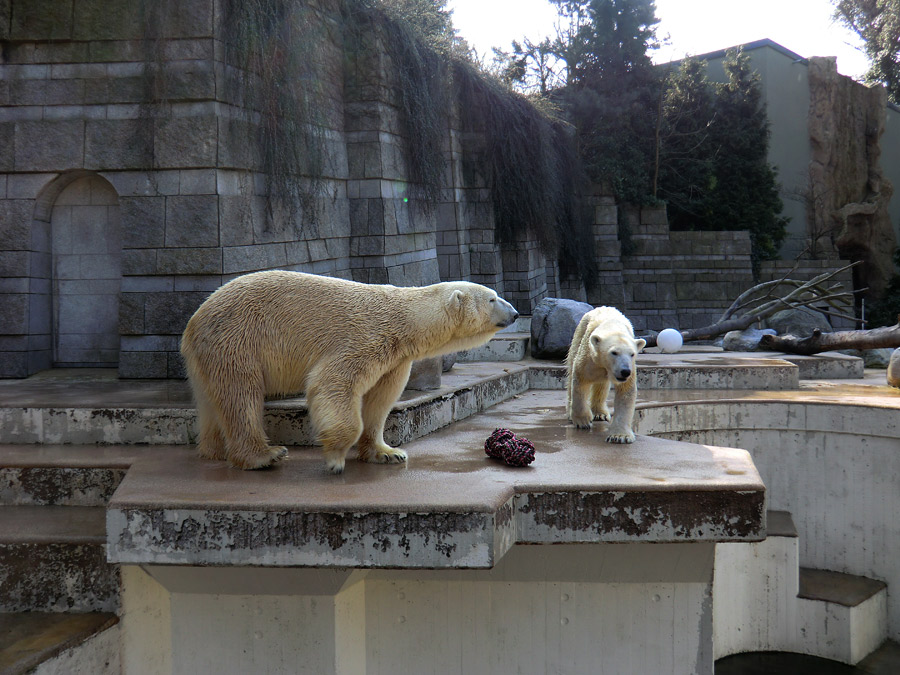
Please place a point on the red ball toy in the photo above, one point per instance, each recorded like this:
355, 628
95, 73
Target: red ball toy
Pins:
504, 444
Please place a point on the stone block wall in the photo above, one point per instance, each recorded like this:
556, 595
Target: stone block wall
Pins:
78, 81
680, 279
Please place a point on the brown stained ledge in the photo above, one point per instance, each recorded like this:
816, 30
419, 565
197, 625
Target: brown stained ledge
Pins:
450, 506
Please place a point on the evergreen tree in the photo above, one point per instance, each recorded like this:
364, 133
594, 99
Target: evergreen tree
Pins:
684, 163
531, 67
744, 194
610, 92
426, 17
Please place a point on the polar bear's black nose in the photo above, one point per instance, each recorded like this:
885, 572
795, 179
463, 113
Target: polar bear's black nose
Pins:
624, 374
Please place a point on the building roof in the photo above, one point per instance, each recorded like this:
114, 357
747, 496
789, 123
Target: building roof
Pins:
750, 46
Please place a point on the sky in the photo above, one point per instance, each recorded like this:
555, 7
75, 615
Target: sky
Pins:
692, 26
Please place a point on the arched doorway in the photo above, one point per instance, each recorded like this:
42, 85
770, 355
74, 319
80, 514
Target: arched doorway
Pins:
85, 275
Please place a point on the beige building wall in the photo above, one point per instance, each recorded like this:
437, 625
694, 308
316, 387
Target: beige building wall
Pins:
785, 85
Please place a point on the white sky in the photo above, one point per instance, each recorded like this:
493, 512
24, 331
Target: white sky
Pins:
693, 26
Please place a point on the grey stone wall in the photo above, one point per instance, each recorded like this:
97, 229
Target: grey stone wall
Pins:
161, 127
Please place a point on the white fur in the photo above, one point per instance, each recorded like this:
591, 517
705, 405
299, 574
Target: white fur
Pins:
348, 345
603, 349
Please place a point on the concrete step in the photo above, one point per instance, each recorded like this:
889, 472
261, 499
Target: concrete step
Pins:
59, 643
107, 416
755, 589
883, 661
763, 601
824, 366
62, 475
722, 370
842, 617
502, 347
53, 559
509, 344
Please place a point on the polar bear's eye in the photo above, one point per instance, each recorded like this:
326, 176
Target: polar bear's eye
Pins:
614, 352
493, 299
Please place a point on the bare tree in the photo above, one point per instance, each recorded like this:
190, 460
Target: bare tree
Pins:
763, 300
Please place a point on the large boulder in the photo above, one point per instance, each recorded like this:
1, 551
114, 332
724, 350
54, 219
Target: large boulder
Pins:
893, 370
425, 374
744, 340
798, 322
553, 324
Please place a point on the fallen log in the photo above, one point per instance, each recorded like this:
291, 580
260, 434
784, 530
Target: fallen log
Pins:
876, 338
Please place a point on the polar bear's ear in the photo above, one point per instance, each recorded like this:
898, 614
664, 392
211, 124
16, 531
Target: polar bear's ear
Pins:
639, 344
456, 298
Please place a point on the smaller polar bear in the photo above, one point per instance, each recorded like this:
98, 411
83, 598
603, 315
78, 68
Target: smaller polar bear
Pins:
603, 347
348, 345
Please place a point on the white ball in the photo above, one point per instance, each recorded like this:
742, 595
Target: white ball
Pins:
669, 340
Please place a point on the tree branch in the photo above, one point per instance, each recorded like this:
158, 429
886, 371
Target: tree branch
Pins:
877, 338
803, 294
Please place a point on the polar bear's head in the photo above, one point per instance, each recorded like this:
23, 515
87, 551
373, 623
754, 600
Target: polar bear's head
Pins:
473, 312
481, 307
615, 352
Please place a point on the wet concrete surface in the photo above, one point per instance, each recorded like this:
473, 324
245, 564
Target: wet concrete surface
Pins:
101, 388
883, 661
90, 388
448, 472
447, 469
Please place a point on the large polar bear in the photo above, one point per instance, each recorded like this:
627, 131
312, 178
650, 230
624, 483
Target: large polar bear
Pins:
603, 347
348, 345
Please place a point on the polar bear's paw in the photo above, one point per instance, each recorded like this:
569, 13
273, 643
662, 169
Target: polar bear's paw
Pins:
378, 452
601, 416
581, 421
262, 460
388, 455
626, 436
334, 463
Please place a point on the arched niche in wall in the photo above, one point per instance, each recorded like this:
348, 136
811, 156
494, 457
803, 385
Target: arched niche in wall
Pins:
77, 221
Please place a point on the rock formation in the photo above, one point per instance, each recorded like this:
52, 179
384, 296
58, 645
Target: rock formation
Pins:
847, 209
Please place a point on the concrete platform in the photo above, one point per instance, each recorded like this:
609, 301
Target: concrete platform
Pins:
449, 507
722, 370
505, 346
63, 475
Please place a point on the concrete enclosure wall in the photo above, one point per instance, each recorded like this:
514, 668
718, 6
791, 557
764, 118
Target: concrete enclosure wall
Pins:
535, 611
833, 467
